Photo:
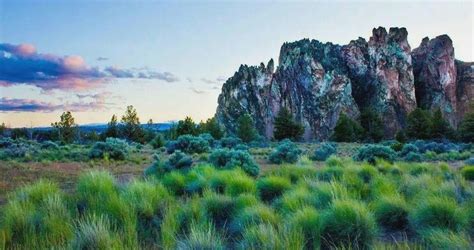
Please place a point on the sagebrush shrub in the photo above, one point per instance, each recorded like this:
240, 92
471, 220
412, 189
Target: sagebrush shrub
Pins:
371, 152
158, 141
414, 157
230, 142
286, 151
112, 148
324, 151
229, 158
408, 148
178, 160
49, 145
347, 224
189, 144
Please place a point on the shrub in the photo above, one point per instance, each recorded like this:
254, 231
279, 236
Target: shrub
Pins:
189, 144
347, 130
49, 145
371, 152
469, 162
230, 142
158, 141
272, 187
225, 158
438, 212
347, 224
324, 151
112, 148
178, 160
408, 148
414, 157
307, 221
468, 173
398, 146
286, 151
391, 212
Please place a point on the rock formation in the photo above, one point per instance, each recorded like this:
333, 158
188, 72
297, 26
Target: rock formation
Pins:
317, 81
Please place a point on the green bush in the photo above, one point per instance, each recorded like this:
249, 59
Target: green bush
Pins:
372, 152
272, 187
286, 151
347, 224
324, 151
158, 141
178, 160
112, 148
414, 157
438, 212
468, 173
391, 212
229, 158
189, 144
307, 221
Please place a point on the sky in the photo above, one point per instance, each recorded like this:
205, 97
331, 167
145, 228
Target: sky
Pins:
169, 59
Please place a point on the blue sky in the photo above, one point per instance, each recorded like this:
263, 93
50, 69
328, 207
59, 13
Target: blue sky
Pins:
178, 53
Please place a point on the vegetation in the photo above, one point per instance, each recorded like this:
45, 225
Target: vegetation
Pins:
130, 127
323, 152
66, 128
286, 127
347, 130
372, 125
286, 151
246, 128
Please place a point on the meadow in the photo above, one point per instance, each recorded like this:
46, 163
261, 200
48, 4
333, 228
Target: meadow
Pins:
196, 192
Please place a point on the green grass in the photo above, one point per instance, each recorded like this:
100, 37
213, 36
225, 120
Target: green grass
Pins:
306, 205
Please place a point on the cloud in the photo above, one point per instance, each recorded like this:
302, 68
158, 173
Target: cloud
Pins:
25, 105
95, 102
22, 64
197, 91
208, 81
222, 79
100, 58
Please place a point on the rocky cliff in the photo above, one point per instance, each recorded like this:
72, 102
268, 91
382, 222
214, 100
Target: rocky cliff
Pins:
317, 81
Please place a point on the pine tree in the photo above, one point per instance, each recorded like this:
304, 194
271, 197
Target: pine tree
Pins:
466, 128
245, 128
186, 127
440, 128
372, 125
112, 128
419, 124
131, 128
347, 130
66, 127
286, 126
212, 127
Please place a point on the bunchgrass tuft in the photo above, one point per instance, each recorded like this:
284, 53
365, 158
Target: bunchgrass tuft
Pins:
438, 212
272, 187
391, 212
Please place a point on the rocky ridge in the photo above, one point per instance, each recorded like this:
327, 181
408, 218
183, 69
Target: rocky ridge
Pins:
317, 81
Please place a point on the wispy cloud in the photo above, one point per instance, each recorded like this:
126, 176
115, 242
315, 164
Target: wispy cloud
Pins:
197, 91
22, 64
100, 58
208, 81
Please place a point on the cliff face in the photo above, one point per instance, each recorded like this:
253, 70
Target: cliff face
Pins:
317, 81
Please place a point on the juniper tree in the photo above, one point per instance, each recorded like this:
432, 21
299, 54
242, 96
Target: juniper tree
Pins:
286, 127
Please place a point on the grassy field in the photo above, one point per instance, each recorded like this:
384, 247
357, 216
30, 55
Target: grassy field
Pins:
275, 196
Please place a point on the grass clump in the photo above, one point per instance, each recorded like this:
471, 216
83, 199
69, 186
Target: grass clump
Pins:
219, 208
272, 187
445, 239
240, 184
348, 224
93, 232
286, 151
468, 173
391, 212
202, 236
438, 212
307, 221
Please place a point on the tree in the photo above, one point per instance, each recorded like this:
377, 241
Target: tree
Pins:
466, 128
112, 128
18, 133
131, 128
212, 127
66, 127
245, 128
186, 127
286, 126
347, 130
419, 124
440, 128
3, 128
372, 125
